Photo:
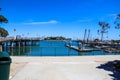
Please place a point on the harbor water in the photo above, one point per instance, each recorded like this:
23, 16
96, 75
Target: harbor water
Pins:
51, 48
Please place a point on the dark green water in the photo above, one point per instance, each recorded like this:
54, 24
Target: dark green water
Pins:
51, 48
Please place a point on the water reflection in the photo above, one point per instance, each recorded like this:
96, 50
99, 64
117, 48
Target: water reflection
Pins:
50, 48
18, 51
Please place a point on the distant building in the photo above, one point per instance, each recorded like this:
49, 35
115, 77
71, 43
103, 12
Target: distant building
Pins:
55, 38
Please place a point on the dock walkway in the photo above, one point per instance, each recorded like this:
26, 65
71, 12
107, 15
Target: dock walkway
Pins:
79, 49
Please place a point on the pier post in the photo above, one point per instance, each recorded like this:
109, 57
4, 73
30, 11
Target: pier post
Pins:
12, 45
1, 48
25, 43
31, 43
18, 44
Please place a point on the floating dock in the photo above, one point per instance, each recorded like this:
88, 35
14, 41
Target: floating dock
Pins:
78, 49
110, 50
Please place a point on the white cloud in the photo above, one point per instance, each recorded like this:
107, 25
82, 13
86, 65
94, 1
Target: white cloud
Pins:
47, 22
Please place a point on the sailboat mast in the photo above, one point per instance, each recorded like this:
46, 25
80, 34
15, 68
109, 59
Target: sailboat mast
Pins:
88, 35
85, 35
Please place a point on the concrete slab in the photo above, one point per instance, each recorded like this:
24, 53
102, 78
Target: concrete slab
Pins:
63, 68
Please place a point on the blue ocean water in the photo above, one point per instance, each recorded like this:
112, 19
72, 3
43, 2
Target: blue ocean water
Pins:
52, 48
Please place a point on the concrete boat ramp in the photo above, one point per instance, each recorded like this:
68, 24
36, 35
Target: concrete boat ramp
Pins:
60, 68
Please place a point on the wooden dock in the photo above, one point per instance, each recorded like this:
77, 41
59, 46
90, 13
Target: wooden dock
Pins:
78, 49
112, 50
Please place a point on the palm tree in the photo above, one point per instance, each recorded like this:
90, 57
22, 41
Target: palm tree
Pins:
104, 27
117, 21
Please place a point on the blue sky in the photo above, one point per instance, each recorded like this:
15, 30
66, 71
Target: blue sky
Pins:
67, 18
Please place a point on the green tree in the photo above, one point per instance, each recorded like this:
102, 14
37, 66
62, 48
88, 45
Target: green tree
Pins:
3, 19
104, 27
3, 32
